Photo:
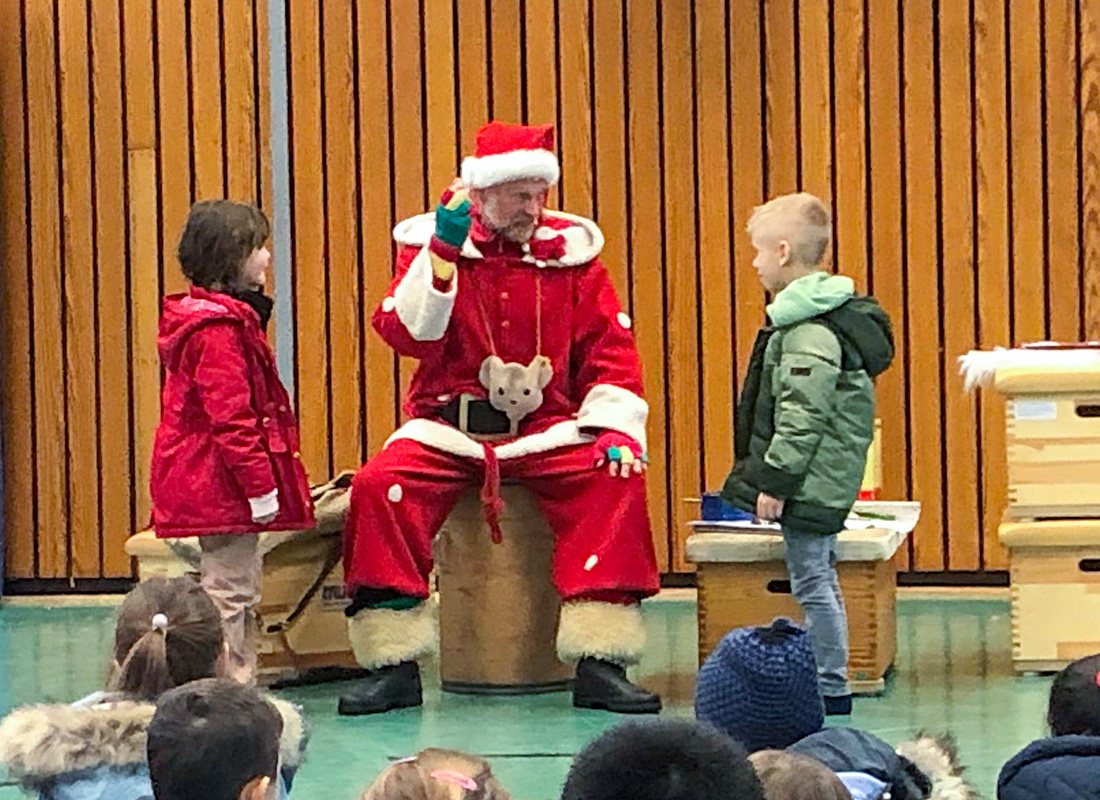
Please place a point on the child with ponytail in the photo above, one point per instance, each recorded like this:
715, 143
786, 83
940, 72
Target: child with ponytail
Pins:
436, 774
168, 634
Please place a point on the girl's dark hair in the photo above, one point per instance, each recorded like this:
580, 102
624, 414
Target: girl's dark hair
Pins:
793, 776
1075, 699
150, 660
218, 237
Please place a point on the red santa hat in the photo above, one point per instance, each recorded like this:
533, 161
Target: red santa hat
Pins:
507, 152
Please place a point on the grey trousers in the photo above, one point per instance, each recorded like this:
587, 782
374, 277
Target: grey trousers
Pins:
811, 560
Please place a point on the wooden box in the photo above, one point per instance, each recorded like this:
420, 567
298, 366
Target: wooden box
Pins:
743, 580
1052, 441
498, 611
316, 638
1055, 570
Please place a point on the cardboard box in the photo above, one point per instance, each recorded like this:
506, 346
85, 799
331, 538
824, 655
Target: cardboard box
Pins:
317, 638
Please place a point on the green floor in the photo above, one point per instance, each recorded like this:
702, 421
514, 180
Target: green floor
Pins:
953, 673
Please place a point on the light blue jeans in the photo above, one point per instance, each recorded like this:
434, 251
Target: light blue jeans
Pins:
811, 560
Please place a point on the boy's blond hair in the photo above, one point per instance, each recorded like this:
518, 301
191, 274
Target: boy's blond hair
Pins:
801, 219
793, 776
436, 774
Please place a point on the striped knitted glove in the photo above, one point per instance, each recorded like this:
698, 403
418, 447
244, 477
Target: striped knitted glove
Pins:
621, 452
452, 225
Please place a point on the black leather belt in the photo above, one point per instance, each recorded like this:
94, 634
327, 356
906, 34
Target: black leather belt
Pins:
471, 415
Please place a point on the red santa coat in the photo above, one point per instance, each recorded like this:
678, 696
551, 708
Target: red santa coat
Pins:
499, 296
497, 299
227, 433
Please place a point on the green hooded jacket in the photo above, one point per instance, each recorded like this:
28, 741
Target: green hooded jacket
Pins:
806, 413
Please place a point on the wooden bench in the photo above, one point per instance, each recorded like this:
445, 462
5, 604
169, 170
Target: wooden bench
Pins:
743, 580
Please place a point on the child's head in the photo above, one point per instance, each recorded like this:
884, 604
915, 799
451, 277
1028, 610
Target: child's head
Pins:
791, 234
436, 774
760, 686
1075, 699
662, 759
168, 633
214, 740
223, 246
791, 776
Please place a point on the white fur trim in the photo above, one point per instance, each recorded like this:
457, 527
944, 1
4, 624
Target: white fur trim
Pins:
562, 434
936, 758
583, 238
608, 631
615, 408
265, 504
437, 435
292, 744
41, 742
979, 367
424, 310
479, 172
388, 304
418, 231
451, 440
383, 636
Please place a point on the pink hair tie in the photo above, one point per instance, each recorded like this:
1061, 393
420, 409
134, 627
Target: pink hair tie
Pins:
1097, 678
455, 778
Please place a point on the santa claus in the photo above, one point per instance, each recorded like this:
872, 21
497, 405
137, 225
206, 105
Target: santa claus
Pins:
527, 371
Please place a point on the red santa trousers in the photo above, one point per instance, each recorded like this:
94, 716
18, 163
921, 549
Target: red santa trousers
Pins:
401, 497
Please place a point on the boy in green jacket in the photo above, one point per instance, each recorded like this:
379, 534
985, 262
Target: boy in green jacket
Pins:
805, 416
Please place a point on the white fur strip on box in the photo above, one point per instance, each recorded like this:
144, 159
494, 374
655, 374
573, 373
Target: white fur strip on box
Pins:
978, 367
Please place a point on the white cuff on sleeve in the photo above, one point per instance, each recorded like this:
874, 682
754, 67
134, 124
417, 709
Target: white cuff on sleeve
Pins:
423, 310
264, 505
616, 409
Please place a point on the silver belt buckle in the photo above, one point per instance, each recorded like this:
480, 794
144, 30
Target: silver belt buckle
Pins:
464, 411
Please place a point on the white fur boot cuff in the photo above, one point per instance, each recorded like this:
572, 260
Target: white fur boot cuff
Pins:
382, 636
607, 631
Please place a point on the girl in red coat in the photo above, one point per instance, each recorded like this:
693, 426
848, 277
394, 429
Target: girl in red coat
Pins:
225, 460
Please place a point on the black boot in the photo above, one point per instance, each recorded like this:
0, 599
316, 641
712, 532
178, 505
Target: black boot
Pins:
839, 706
602, 684
385, 688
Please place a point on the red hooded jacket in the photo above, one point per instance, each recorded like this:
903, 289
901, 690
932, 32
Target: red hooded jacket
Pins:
227, 432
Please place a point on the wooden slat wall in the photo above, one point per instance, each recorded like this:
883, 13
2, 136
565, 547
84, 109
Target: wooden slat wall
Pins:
675, 118
117, 116
958, 144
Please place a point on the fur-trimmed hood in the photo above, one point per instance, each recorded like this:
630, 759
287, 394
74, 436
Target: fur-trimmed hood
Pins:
42, 743
938, 758
924, 768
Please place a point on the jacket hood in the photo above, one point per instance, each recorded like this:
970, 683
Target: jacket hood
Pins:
182, 314
1025, 773
40, 743
924, 767
810, 296
861, 325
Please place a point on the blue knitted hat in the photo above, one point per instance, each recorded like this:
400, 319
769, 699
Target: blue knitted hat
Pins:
759, 685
